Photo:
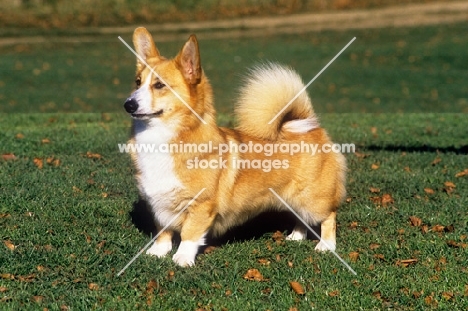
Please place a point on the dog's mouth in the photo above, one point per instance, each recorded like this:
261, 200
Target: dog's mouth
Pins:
147, 115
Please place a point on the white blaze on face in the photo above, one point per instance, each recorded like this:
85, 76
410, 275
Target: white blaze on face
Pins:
143, 97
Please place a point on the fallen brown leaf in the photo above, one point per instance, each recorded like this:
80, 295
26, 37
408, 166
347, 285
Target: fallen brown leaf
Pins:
374, 190
209, 249
425, 229
264, 262
377, 295
19, 136
278, 236
45, 141
9, 245
93, 286
387, 199
415, 221
360, 155
3, 289
151, 286
297, 287
7, 276
374, 166
26, 278
38, 162
438, 228
462, 173
353, 256
353, 225
374, 246
253, 275
334, 293
38, 299
449, 184
93, 155
429, 190
454, 244
406, 262
8, 156
436, 161
448, 295
379, 256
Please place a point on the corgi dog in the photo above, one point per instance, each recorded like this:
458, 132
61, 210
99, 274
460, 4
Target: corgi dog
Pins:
173, 106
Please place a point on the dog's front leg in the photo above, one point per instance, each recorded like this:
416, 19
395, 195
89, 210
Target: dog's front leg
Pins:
195, 227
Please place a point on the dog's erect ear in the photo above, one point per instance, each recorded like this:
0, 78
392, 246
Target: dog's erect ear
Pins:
144, 44
188, 61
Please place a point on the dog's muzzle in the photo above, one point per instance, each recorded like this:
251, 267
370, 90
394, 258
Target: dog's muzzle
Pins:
131, 105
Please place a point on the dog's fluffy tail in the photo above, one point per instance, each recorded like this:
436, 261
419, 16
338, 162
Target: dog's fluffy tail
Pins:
269, 88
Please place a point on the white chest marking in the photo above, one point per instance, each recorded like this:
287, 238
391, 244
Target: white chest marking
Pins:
158, 183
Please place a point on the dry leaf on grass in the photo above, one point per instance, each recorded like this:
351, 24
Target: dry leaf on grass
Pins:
429, 191
436, 161
93, 155
45, 141
387, 199
278, 236
38, 162
374, 166
19, 136
8, 156
374, 190
264, 262
3, 289
353, 256
38, 299
373, 246
209, 249
93, 286
462, 173
360, 155
415, 221
297, 287
334, 293
406, 262
253, 275
9, 245
438, 228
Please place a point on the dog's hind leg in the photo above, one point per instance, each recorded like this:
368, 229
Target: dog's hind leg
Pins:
328, 234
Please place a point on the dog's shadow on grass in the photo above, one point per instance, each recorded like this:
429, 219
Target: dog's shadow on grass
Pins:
266, 223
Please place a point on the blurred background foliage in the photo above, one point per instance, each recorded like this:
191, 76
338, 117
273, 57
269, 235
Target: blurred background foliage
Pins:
67, 14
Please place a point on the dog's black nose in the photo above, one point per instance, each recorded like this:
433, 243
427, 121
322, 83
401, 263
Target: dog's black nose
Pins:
131, 105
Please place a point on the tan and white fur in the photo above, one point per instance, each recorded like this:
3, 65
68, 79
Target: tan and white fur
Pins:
313, 185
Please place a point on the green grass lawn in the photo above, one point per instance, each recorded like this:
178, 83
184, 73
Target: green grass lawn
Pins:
65, 198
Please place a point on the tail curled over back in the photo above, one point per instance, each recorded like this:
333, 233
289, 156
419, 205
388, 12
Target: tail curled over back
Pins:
269, 88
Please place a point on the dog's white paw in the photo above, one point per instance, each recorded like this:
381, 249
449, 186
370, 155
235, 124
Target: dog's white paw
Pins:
160, 249
297, 236
326, 245
184, 260
186, 253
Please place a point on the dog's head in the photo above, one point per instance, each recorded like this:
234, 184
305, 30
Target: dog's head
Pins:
167, 89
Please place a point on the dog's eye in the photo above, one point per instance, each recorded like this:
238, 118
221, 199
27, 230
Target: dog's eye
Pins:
158, 85
138, 81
